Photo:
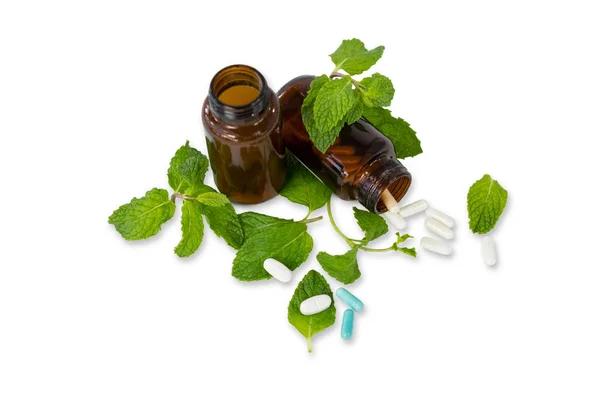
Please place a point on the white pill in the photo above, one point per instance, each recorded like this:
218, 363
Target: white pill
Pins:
488, 250
438, 228
440, 216
396, 220
413, 208
277, 270
315, 304
436, 245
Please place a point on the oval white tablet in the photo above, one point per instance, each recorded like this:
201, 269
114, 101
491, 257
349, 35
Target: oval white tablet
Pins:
396, 220
438, 228
277, 270
436, 245
315, 304
440, 216
488, 250
413, 208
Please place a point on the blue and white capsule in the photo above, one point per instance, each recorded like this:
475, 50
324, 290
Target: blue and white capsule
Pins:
351, 300
348, 324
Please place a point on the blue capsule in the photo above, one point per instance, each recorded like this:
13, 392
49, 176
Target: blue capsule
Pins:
347, 324
351, 300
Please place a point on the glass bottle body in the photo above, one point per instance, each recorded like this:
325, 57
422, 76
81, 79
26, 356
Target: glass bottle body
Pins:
242, 122
360, 164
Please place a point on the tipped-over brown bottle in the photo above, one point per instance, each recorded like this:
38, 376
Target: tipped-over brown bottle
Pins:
359, 165
243, 134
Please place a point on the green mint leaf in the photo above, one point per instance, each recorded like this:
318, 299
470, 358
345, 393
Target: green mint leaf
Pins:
289, 244
308, 116
255, 223
377, 91
225, 223
176, 181
213, 199
143, 217
403, 137
372, 225
192, 229
343, 267
192, 172
334, 100
485, 202
406, 250
353, 57
302, 187
313, 284
356, 111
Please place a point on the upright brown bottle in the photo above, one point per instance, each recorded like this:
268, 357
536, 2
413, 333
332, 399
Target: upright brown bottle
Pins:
242, 120
359, 165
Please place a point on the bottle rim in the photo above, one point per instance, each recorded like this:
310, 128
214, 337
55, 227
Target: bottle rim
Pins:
234, 75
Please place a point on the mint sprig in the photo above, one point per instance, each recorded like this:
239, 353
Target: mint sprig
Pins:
344, 267
339, 99
142, 218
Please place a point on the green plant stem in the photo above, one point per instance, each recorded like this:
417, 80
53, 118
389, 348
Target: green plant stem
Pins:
309, 221
351, 242
372, 250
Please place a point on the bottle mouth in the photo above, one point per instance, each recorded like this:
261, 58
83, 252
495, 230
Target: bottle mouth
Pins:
398, 189
238, 93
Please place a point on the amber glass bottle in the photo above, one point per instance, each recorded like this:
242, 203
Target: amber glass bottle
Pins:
242, 120
360, 164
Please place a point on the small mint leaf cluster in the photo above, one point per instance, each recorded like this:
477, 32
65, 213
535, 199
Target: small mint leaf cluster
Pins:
339, 99
142, 218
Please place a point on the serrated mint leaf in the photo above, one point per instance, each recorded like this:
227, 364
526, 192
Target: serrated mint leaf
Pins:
333, 102
143, 217
343, 267
289, 244
406, 250
213, 199
312, 284
308, 116
225, 223
353, 57
485, 202
192, 172
377, 91
356, 111
192, 229
371, 224
255, 223
181, 155
403, 137
302, 187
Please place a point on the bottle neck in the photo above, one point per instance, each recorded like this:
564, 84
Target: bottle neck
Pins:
388, 173
238, 93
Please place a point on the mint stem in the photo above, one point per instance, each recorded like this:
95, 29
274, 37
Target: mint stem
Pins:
309, 221
351, 242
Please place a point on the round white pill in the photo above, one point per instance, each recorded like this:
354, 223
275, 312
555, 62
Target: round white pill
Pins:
436, 245
440, 216
277, 270
413, 208
315, 304
488, 250
396, 220
438, 228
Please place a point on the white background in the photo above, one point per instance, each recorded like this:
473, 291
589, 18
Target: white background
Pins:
95, 97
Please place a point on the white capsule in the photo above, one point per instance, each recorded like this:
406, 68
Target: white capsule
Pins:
488, 250
315, 304
277, 270
396, 220
413, 208
436, 245
438, 228
390, 202
440, 216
